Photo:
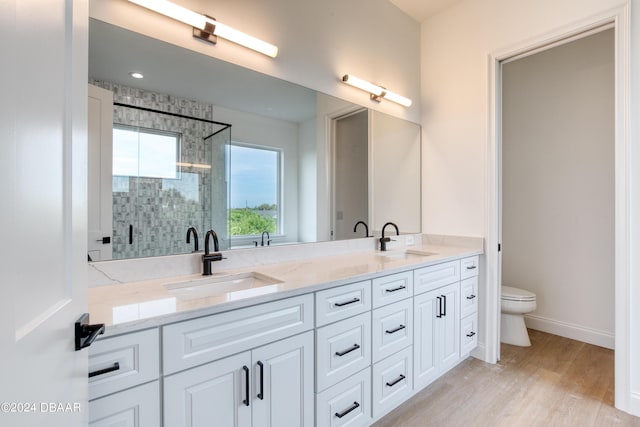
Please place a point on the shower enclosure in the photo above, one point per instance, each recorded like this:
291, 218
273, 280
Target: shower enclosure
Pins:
170, 173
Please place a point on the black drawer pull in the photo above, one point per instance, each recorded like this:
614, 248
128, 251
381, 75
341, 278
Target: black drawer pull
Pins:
444, 304
261, 394
246, 385
347, 351
399, 288
351, 408
470, 334
393, 331
472, 296
396, 381
115, 367
439, 307
340, 304
471, 267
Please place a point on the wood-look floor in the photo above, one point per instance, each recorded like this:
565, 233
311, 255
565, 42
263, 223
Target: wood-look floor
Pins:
555, 382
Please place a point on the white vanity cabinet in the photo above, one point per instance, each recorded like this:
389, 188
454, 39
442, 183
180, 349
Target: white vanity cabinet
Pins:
436, 323
469, 305
237, 368
271, 385
123, 380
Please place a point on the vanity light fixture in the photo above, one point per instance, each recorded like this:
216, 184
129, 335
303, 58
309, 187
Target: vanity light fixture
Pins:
136, 75
377, 92
207, 28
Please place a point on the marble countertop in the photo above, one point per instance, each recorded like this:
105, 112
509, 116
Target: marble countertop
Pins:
127, 307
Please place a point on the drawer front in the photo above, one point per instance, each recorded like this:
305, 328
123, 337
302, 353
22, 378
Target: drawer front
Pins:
198, 341
123, 361
432, 277
345, 301
392, 329
468, 296
343, 349
135, 407
468, 334
389, 289
392, 382
469, 267
346, 403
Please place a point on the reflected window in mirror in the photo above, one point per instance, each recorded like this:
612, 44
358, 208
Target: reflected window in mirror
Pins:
254, 192
149, 153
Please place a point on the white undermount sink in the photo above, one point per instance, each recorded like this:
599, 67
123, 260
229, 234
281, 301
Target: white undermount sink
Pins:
234, 286
407, 254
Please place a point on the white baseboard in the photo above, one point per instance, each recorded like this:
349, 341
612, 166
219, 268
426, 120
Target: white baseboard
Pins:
569, 330
634, 407
480, 352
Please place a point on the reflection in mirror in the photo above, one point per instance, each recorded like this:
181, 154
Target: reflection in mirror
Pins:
249, 153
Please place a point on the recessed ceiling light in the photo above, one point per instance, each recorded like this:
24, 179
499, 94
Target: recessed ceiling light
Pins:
136, 75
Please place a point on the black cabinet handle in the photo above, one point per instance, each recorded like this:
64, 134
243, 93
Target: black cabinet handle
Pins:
444, 304
131, 234
340, 304
471, 267
399, 288
470, 334
115, 367
393, 331
472, 296
86, 334
351, 408
347, 351
439, 307
261, 394
396, 381
246, 385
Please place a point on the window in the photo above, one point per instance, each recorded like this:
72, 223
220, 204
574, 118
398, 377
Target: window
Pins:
140, 152
254, 190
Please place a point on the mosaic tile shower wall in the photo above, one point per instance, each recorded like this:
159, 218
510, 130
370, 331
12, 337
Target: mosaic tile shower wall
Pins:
160, 210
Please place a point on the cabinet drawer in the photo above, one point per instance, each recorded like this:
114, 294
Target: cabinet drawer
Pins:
194, 342
468, 334
135, 407
392, 382
469, 267
389, 289
346, 403
392, 327
435, 276
343, 349
125, 360
345, 301
468, 296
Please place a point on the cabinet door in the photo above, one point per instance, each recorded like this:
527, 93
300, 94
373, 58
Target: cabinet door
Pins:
448, 341
426, 308
283, 383
135, 407
212, 394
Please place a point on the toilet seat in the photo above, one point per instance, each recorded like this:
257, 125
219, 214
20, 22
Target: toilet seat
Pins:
516, 294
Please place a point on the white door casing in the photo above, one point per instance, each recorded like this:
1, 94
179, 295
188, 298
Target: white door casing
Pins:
100, 166
43, 380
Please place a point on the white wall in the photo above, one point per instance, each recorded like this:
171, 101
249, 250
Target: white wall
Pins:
307, 181
455, 52
319, 41
558, 186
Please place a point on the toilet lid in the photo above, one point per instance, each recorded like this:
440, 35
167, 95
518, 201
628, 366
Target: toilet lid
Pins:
516, 294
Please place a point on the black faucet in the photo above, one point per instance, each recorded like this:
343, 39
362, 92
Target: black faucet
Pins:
190, 231
207, 258
268, 241
384, 240
366, 228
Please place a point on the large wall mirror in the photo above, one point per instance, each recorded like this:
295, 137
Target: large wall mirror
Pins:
202, 143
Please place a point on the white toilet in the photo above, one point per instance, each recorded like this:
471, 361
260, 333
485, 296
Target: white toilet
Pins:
514, 304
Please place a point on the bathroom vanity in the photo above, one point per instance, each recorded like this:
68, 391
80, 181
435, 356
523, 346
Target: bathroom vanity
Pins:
326, 341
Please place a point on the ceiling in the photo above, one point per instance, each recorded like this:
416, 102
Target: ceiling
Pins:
422, 9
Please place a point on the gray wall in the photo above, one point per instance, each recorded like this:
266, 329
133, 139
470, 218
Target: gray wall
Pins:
558, 186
